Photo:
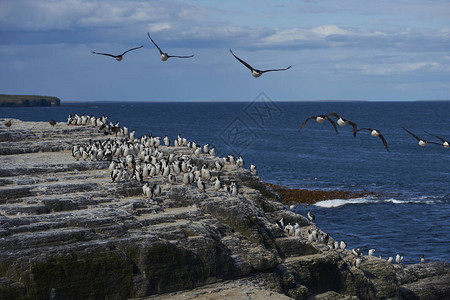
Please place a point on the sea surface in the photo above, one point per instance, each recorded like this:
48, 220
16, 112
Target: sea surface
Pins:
410, 217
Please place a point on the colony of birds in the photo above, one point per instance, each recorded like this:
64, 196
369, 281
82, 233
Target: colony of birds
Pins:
144, 158
147, 161
314, 235
373, 132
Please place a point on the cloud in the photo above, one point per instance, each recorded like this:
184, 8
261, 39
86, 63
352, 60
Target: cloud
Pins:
397, 68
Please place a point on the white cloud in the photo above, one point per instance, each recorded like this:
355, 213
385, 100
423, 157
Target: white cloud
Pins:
398, 68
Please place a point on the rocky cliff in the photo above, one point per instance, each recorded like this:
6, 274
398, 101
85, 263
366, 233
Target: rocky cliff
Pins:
68, 232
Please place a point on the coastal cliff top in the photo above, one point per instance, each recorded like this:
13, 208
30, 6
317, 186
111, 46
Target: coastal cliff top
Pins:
70, 229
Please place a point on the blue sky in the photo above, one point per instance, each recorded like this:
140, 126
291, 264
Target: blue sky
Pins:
340, 50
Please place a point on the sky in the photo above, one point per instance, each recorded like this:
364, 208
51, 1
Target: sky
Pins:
393, 50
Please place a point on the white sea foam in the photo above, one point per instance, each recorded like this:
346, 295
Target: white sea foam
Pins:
341, 202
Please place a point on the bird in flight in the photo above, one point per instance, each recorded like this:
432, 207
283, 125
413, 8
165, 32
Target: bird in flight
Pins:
165, 56
320, 119
117, 57
255, 72
374, 132
421, 142
341, 122
445, 143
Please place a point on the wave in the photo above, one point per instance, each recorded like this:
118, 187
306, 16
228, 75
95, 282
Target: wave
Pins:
371, 200
341, 202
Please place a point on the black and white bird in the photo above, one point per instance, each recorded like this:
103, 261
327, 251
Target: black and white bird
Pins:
200, 185
342, 122
356, 252
445, 143
253, 169
117, 57
164, 55
422, 259
320, 119
375, 132
421, 142
311, 217
255, 72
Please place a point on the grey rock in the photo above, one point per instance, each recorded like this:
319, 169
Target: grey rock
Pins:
67, 231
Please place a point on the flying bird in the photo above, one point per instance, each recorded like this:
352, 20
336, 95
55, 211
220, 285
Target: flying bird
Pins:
255, 72
165, 56
341, 122
117, 57
320, 119
422, 142
374, 132
445, 143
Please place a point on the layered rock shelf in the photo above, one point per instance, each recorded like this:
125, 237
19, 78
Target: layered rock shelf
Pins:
68, 232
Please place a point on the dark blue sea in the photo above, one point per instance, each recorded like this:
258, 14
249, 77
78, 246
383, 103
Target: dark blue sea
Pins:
412, 215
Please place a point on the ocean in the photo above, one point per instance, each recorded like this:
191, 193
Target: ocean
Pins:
411, 215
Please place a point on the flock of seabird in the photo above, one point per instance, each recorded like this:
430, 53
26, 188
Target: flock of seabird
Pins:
315, 235
164, 56
373, 132
146, 160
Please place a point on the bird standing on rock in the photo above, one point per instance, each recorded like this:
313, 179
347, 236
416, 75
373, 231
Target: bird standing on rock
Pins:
422, 259
200, 185
311, 217
8, 124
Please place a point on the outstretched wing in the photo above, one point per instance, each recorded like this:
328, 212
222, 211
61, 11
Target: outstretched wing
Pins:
334, 115
384, 142
178, 56
415, 136
277, 69
304, 123
332, 123
436, 137
354, 127
364, 129
160, 51
243, 62
107, 54
131, 50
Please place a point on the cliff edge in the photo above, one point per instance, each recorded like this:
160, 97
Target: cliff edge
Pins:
68, 232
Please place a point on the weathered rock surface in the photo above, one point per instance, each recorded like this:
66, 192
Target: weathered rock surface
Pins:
68, 232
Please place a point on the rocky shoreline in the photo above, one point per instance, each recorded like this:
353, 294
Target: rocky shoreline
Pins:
68, 232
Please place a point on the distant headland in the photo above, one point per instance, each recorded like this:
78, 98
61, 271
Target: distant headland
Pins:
28, 101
